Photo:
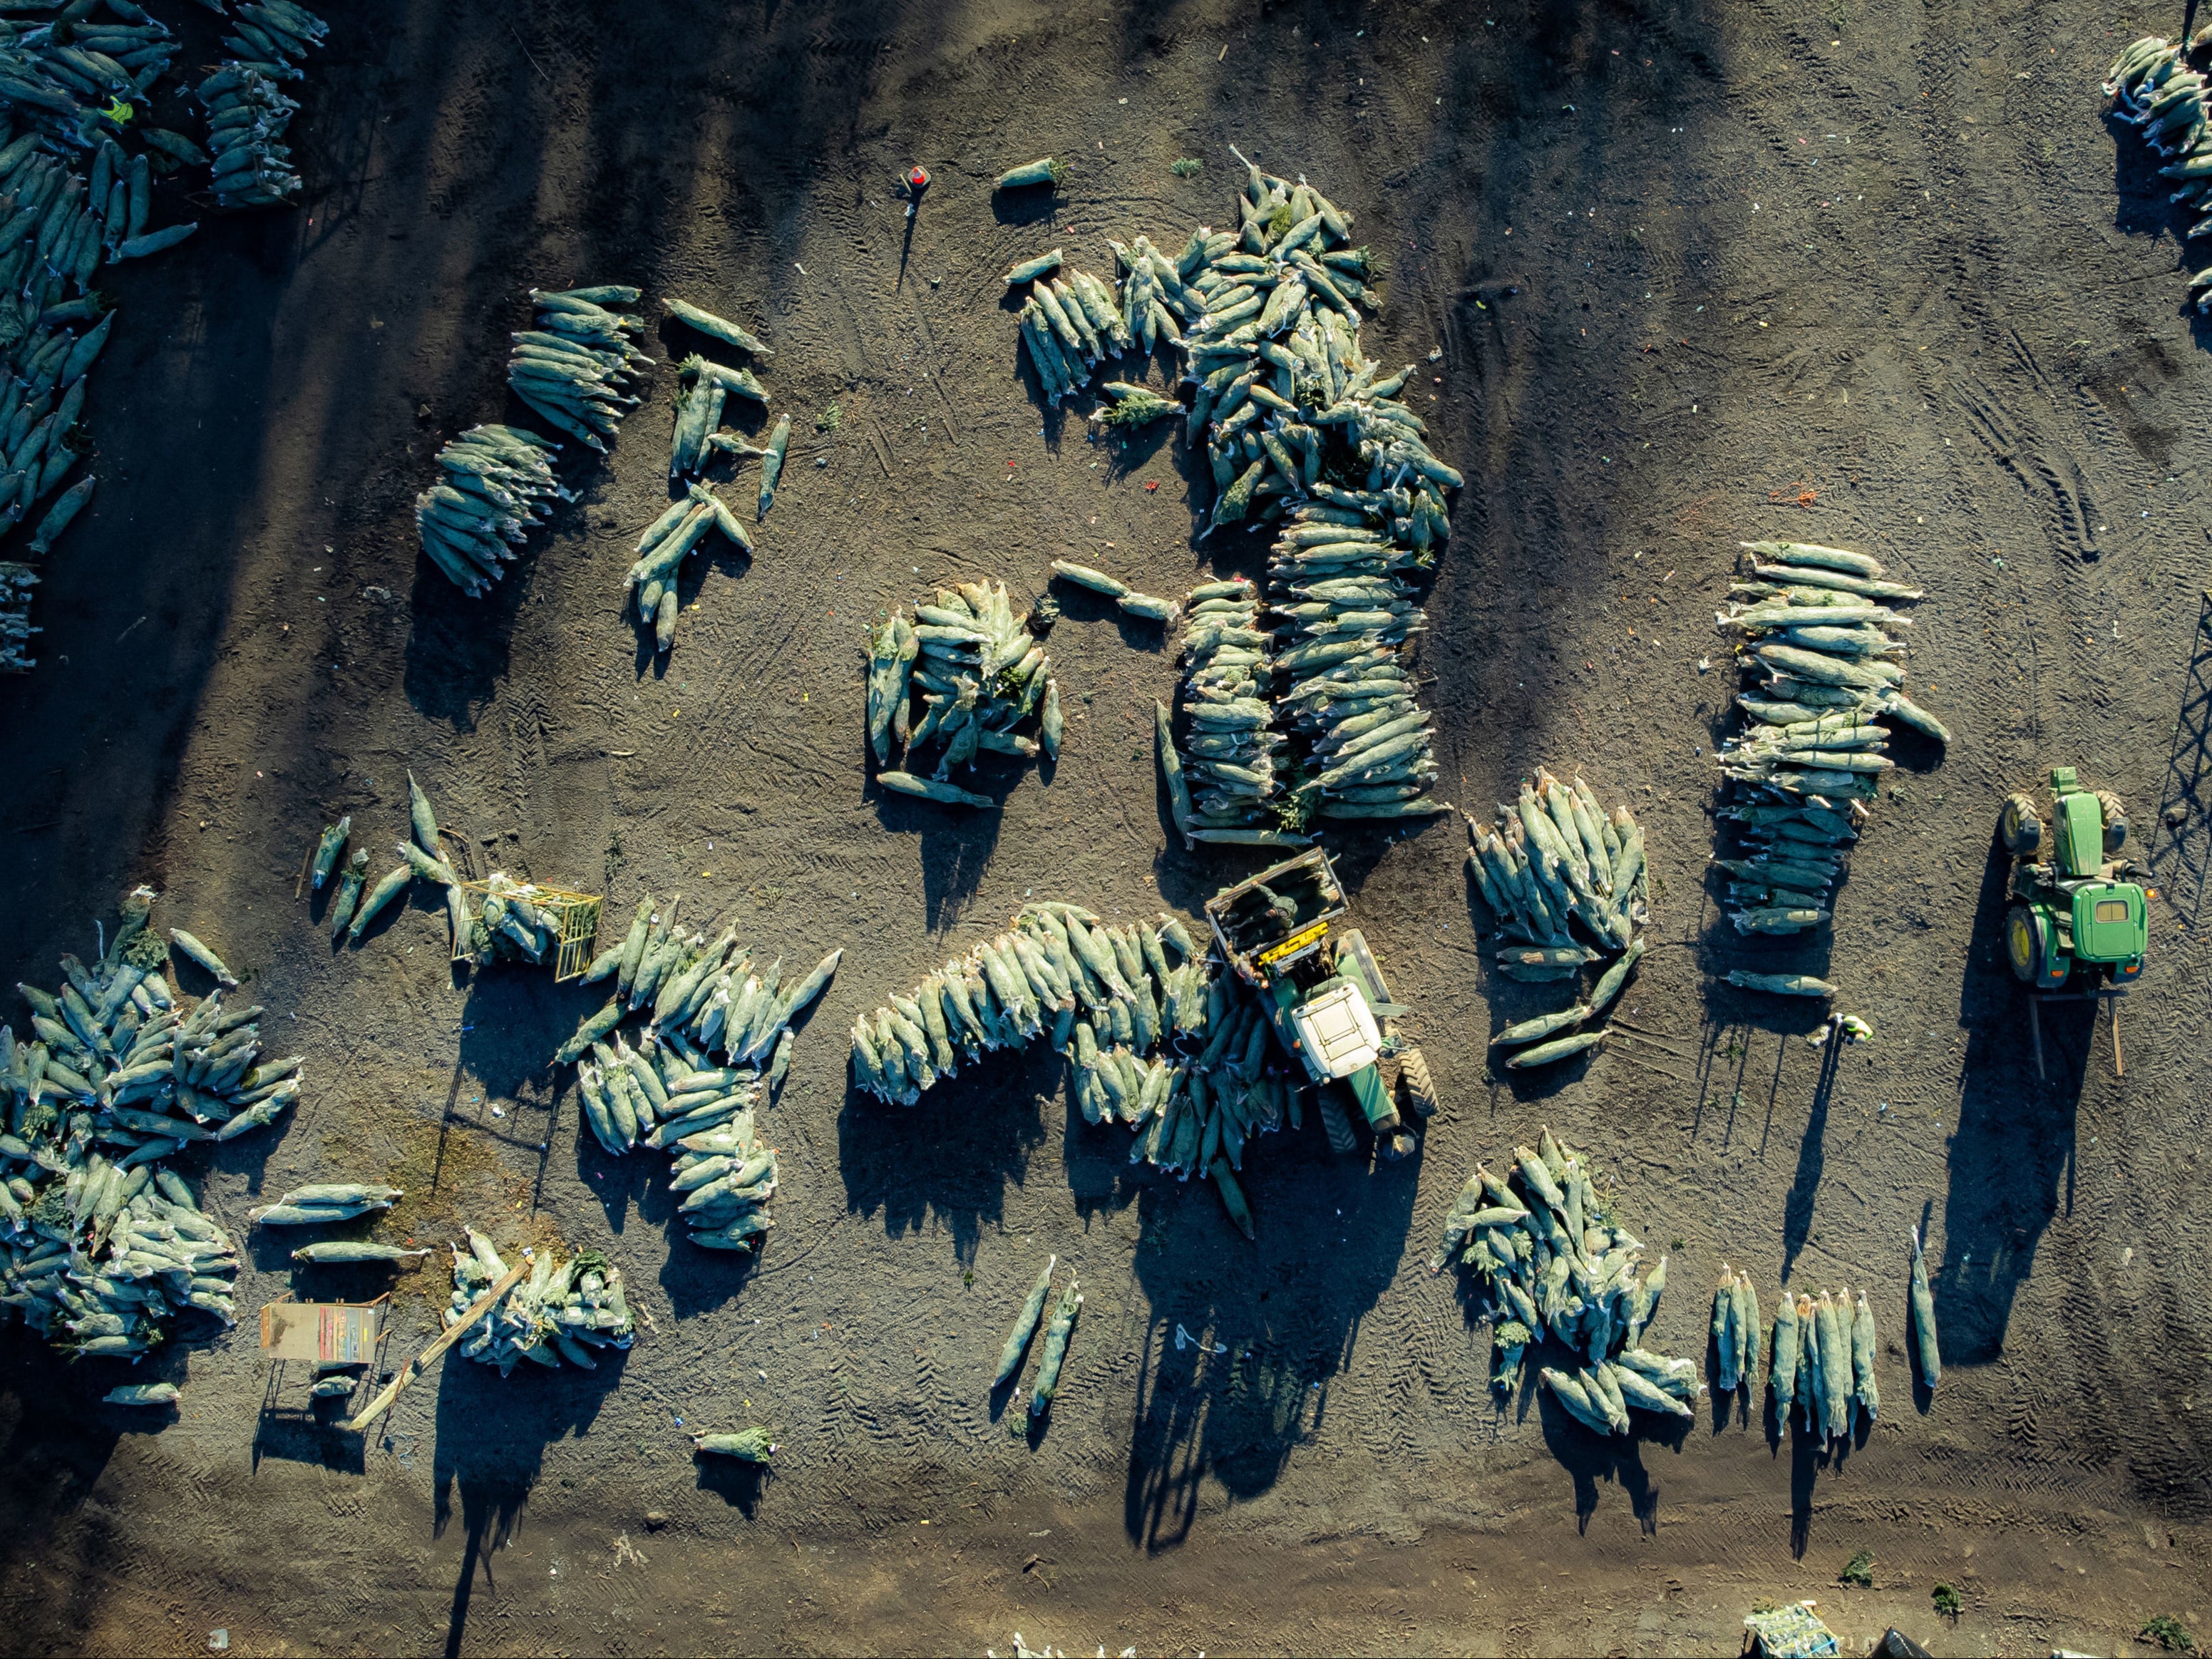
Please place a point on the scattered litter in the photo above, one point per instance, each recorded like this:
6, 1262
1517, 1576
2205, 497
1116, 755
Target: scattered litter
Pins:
1184, 1339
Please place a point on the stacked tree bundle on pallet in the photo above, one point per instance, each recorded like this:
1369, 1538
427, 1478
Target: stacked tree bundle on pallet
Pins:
247, 119
1346, 615
1302, 708
1223, 782
1559, 859
1820, 629
981, 673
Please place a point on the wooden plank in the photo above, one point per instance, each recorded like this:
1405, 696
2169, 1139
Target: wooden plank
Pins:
445, 1338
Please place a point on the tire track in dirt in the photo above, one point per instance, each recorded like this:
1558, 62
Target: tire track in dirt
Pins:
1541, 578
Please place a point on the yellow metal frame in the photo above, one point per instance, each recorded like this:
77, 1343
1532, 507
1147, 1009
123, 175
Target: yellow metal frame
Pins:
1295, 946
575, 919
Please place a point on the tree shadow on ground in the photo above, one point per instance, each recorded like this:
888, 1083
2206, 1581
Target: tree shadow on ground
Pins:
736, 1482
956, 843
952, 1156
492, 1433
1592, 1460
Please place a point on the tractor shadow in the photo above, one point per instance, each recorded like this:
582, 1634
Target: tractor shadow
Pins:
2009, 1120
1287, 1310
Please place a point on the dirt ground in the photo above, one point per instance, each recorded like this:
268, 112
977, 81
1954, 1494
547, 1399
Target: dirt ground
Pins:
1880, 276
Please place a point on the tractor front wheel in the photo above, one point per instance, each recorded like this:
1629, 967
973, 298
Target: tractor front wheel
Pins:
2018, 826
1335, 1122
2024, 943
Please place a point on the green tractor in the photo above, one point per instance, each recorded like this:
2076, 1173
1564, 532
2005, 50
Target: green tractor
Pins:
1325, 997
2075, 905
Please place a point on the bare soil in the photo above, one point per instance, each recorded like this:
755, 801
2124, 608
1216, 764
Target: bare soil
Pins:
1874, 276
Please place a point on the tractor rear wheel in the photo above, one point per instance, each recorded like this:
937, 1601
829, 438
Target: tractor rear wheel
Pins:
2024, 943
2018, 826
2116, 821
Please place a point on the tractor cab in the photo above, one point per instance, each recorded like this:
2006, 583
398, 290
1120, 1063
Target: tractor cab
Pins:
1325, 996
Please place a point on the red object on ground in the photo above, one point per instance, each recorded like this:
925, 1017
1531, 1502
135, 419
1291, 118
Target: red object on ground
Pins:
918, 179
